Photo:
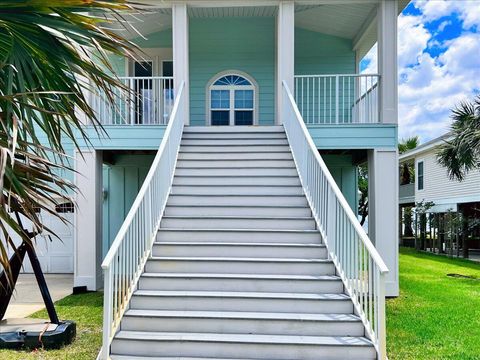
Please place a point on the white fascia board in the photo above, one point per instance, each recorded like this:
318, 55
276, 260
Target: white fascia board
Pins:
428, 146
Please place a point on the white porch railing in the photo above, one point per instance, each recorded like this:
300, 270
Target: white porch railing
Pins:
338, 99
143, 101
129, 251
355, 257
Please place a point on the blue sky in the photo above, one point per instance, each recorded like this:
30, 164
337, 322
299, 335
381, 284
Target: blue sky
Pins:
439, 63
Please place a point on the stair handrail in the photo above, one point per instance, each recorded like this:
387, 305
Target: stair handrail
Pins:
132, 245
356, 259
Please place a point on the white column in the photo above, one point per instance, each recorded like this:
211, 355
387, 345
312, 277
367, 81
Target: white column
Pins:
88, 220
285, 51
180, 52
383, 210
387, 60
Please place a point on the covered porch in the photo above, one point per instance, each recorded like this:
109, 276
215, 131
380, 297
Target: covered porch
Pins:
316, 48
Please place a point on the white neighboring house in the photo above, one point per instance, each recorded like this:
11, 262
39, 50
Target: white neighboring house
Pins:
432, 182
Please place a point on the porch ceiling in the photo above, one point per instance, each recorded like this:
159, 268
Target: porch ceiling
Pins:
342, 20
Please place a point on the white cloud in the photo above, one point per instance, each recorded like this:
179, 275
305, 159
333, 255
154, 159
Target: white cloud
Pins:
429, 90
468, 10
412, 39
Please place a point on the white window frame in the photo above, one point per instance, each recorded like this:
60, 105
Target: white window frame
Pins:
231, 89
417, 183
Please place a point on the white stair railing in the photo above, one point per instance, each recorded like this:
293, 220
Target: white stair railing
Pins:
131, 248
357, 261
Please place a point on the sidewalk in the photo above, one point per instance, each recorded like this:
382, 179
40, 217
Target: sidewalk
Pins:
27, 298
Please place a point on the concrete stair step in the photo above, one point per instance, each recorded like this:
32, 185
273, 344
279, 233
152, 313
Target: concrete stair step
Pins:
278, 347
237, 189
236, 171
228, 322
240, 265
236, 200
240, 235
226, 141
235, 135
329, 284
232, 148
268, 211
224, 249
237, 180
232, 222
235, 156
233, 129
242, 301
240, 163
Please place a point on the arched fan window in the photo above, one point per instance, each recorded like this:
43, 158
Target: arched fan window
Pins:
232, 100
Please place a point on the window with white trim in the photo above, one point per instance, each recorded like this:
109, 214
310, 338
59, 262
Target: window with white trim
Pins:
232, 101
420, 175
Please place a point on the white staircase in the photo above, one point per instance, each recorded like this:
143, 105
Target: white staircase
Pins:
238, 269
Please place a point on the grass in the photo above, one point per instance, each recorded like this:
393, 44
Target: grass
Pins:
86, 311
437, 316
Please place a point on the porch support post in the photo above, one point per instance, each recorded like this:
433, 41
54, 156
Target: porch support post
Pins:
88, 220
387, 60
180, 53
383, 210
285, 51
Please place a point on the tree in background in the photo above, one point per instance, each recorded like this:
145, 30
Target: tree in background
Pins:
403, 146
52, 55
462, 154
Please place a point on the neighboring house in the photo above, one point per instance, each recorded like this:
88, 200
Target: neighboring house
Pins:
245, 226
431, 182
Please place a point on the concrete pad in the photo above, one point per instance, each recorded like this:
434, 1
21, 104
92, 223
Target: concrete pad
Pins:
27, 298
24, 325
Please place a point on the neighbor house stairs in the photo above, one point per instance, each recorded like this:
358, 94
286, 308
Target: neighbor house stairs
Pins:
238, 270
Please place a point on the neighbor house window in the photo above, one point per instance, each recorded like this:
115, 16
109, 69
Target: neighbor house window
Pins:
420, 175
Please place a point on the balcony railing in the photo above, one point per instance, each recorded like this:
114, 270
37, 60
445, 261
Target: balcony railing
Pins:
338, 99
142, 101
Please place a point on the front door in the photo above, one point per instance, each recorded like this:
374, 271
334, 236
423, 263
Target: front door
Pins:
232, 101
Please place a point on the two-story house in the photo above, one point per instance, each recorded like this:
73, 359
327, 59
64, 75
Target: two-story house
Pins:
222, 202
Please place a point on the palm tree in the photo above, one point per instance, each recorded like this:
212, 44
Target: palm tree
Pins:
52, 54
462, 154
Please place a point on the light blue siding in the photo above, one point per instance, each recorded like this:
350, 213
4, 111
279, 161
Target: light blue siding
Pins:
121, 181
358, 136
317, 53
126, 137
220, 44
346, 177
159, 39
321, 54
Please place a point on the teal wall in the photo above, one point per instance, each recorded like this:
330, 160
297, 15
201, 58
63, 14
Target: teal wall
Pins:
346, 177
358, 136
320, 54
317, 53
159, 39
236, 43
121, 181
125, 137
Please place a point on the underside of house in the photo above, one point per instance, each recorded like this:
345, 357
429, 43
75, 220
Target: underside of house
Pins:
223, 200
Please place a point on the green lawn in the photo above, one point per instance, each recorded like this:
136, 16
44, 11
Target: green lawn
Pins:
436, 316
86, 311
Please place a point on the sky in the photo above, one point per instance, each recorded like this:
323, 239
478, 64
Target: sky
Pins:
438, 63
